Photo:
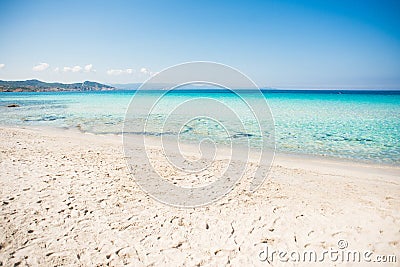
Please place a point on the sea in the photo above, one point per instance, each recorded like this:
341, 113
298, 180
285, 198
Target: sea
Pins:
356, 125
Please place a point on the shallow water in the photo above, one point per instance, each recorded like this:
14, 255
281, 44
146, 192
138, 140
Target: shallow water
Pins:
354, 126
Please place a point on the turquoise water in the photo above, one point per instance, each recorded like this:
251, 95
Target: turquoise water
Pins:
350, 125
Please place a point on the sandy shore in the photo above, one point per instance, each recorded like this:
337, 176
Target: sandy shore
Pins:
67, 199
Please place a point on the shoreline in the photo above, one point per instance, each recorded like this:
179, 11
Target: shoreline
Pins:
67, 198
285, 154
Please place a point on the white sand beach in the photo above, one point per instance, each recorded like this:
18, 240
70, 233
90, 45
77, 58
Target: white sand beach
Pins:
68, 199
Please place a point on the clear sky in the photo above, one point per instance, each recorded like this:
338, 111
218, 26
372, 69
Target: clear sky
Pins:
284, 44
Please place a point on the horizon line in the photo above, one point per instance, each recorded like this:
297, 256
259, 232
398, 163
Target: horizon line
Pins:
310, 88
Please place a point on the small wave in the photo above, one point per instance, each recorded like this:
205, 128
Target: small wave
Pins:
44, 118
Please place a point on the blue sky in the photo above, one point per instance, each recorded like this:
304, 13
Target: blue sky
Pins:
284, 44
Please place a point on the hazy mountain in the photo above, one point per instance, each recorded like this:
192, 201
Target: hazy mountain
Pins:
127, 86
165, 86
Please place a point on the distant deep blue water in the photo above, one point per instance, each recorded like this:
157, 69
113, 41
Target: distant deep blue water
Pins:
354, 125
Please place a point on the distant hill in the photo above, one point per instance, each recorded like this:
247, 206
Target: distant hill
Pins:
39, 86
